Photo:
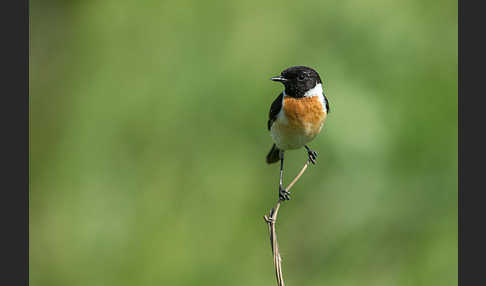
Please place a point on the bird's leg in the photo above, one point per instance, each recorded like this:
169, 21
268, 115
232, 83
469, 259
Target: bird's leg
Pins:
312, 154
282, 193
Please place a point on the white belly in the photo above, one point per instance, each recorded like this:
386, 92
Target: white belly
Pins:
286, 137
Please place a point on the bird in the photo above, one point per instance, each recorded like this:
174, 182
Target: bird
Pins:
296, 116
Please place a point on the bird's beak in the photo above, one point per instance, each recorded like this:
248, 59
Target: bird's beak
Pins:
279, 78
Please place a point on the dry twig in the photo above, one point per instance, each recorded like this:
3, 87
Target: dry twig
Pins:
271, 220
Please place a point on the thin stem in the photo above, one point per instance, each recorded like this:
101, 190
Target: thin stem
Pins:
271, 220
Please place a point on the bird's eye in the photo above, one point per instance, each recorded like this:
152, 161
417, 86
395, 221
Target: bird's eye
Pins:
301, 77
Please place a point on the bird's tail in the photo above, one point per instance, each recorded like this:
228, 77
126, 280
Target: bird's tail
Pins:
274, 155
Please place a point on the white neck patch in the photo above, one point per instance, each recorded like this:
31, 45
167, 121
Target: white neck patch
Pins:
317, 91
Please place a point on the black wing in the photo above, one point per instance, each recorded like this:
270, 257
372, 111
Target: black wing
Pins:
327, 104
274, 110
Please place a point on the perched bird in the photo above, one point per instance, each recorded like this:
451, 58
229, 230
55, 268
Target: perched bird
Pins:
296, 116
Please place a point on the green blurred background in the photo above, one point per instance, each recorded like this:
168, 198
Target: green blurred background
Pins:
148, 138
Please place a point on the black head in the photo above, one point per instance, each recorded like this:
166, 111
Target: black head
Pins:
298, 80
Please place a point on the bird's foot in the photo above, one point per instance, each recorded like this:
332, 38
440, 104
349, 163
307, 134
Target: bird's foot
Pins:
283, 194
312, 156
269, 219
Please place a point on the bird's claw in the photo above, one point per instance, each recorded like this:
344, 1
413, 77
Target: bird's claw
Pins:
269, 219
283, 194
312, 156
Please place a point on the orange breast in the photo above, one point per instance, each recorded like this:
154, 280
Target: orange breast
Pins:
305, 113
